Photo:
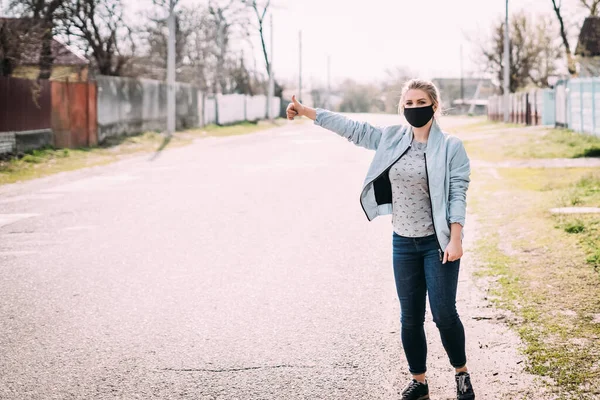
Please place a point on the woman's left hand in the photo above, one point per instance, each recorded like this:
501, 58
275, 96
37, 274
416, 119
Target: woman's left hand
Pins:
453, 252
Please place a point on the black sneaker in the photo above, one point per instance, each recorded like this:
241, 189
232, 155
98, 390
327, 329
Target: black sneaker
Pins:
416, 390
464, 389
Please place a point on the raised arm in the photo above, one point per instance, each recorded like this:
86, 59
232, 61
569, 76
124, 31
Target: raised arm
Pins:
360, 133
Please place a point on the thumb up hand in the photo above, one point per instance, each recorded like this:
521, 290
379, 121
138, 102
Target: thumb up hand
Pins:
294, 109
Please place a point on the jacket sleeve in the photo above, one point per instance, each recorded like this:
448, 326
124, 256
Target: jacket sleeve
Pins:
460, 171
360, 133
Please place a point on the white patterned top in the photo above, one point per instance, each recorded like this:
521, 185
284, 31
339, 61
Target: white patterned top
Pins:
410, 194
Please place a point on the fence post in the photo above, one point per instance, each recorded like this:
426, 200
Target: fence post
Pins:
581, 105
535, 108
593, 106
568, 106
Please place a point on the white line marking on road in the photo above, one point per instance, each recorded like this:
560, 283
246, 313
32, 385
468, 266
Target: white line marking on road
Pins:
290, 133
79, 228
6, 219
17, 253
96, 183
38, 196
307, 141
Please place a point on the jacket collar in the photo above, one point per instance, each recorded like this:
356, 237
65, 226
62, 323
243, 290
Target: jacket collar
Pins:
435, 136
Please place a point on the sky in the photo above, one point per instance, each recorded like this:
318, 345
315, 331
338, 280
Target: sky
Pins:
364, 38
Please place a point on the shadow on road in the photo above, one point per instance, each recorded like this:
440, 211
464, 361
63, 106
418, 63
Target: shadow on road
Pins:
162, 146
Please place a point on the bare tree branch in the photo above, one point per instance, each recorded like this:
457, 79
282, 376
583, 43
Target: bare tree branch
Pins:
260, 16
100, 24
534, 52
592, 6
570, 60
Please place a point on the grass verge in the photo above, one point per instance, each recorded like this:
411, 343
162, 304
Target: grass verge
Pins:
48, 161
546, 277
543, 268
495, 141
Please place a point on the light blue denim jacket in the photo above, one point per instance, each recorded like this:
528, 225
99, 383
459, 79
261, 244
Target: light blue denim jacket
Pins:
447, 165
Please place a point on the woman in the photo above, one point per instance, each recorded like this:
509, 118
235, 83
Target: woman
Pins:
420, 175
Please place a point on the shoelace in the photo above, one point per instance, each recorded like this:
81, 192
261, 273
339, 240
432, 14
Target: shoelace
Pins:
462, 383
412, 386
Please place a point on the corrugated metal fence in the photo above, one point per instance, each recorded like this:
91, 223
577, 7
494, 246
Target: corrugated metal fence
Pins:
35, 114
583, 105
524, 107
73, 115
129, 106
573, 103
74, 119
25, 105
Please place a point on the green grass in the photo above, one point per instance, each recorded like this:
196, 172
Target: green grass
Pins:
558, 143
543, 268
546, 335
567, 187
238, 129
48, 161
482, 123
515, 141
586, 228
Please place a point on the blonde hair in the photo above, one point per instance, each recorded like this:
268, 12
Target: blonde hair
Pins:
426, 86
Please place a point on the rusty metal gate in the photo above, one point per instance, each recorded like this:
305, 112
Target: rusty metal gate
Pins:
74, 114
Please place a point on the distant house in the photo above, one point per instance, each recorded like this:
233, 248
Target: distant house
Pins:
588, 48
466, 95
26, 44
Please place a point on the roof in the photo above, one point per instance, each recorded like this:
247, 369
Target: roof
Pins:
588, 44
31, 36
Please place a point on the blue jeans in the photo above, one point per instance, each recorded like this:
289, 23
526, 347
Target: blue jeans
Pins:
418, 270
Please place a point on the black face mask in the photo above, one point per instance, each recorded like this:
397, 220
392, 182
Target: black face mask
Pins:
419, 116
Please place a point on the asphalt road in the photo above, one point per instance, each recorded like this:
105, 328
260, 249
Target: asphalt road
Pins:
233, 268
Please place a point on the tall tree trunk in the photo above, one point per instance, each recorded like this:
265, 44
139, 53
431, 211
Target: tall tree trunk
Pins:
563, 34
591, 5
46, 58
261, 18
264, 48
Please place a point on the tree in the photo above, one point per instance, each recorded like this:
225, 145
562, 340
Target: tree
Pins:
261, 11
592, 5
224, 17
205, 56
549, 54
156, 38
533, 52
43, 14
360, 98
100, 27
16, 39
563, 34
392, 87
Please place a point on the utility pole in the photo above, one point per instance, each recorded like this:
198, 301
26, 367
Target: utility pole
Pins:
271, 79
328, 81
506, 66
462, 84
171, 72
300, 66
